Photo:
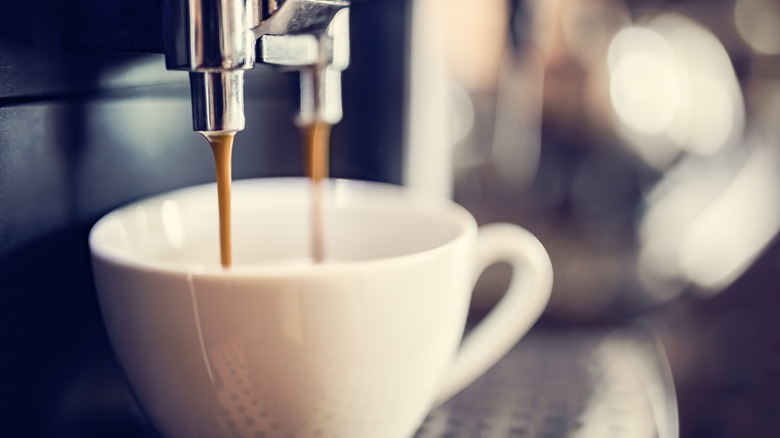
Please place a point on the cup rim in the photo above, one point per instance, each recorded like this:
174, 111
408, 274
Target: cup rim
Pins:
449, 210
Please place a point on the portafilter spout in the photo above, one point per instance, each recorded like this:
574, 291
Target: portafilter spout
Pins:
215, 41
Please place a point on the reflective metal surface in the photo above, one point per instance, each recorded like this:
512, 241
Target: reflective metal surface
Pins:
584, 384
215, 42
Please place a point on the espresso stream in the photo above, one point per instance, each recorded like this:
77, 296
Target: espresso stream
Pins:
222, 146
316, 138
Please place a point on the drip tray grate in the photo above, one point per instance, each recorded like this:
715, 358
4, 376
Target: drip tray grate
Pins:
566, 384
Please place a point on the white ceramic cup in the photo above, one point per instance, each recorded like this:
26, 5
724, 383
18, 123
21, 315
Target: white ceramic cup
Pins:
361, 345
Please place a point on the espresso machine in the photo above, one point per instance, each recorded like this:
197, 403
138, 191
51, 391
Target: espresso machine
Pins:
102, 103
106, 102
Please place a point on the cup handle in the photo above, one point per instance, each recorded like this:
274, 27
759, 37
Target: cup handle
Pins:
516, 312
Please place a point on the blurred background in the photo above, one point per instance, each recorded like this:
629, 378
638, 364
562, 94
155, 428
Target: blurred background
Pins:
637, 139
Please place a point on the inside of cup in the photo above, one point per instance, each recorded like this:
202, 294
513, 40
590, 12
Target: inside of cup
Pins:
271, 225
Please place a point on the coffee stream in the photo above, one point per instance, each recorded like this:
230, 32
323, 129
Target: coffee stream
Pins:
316, 139
222, 146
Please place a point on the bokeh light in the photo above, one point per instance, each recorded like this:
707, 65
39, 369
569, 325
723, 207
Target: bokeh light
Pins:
758, 23
674, 90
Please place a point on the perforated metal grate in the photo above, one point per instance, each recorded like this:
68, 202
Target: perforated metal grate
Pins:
554, 385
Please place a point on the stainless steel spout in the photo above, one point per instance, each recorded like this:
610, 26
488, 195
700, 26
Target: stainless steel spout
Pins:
215, 40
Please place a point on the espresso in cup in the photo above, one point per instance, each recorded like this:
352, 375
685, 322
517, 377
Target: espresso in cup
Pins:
363, 344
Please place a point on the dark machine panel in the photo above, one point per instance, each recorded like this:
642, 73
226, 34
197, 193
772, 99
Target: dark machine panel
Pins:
89, 120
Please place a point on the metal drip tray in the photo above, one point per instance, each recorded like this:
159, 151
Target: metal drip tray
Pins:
557, 384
